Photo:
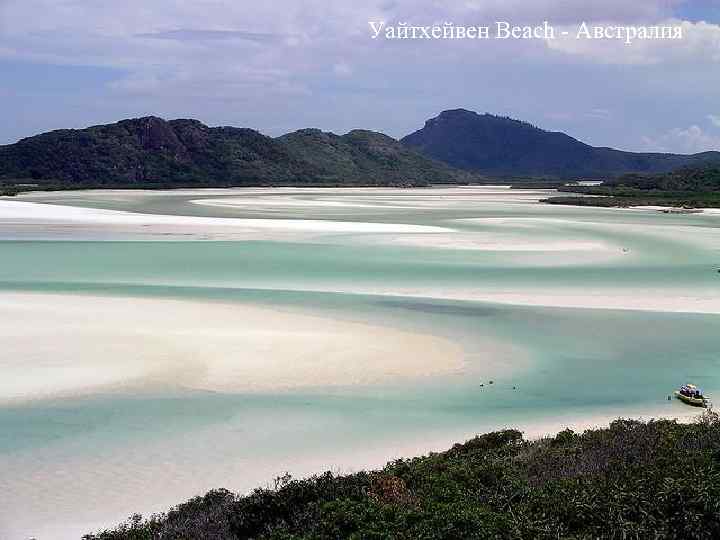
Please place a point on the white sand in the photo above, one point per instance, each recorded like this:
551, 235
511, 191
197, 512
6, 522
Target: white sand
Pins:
377, 198
281, 201
55, 344
308, 199
659, 208
22, 213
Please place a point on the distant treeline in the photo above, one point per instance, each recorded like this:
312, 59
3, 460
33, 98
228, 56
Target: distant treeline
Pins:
696, 187
687, 179
653, 480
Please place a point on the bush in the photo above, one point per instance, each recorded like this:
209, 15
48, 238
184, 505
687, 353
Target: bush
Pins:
658, 479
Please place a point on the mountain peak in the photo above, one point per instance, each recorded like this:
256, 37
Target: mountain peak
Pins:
456, 113
457, 117
503, 146
143, 120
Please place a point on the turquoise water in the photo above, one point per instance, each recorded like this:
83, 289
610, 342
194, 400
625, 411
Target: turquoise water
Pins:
300, 266
577, 362
573, 363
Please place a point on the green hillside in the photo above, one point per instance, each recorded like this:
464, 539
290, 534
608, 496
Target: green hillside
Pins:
152, 152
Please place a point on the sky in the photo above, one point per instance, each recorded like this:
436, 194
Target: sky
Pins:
281, 65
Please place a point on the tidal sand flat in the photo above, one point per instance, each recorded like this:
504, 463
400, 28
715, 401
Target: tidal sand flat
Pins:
63, 345
21, 219
302, 329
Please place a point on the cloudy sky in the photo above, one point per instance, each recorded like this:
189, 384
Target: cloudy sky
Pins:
280, 65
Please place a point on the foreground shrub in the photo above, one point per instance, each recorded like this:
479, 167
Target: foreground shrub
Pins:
658, 479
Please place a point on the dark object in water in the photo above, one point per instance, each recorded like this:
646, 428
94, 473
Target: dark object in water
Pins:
682, 210
692, 395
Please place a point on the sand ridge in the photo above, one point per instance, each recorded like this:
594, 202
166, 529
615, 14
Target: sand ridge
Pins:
48, 214
57, 344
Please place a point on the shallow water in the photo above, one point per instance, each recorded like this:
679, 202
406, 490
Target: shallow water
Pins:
563, 365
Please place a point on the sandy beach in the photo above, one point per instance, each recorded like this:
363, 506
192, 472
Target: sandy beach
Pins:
53, 220
59, 345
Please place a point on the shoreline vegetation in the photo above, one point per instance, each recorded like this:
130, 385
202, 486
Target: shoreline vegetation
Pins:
688, 188
633, 479
682, 190
12, 188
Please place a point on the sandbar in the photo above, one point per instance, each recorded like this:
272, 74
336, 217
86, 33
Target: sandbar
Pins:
58, 345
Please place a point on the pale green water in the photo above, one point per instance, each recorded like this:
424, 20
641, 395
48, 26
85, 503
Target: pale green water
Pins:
283, 265
581, 362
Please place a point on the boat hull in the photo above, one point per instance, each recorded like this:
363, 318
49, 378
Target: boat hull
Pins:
695, 402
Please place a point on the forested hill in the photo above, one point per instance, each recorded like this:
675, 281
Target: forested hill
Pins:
494, 145
457, 146
152, 152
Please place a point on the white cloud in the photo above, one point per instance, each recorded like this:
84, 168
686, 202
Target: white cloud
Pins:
185, 34
302, 38
292, 63
715, 119
689, 140
700, 44
571, 11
